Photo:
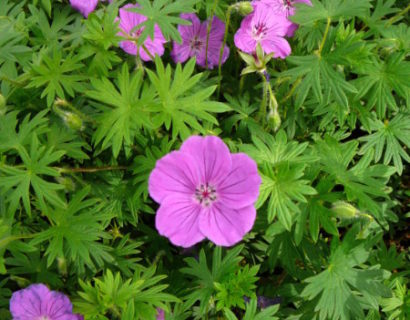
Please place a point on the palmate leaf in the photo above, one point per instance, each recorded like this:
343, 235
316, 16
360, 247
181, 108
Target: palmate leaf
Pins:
57, 75
11, 46
318, 76
381, 81
78, 227
282, 166
387, 138
14, 135
177, 104
124, 110
204, 277
252, 312
333, 9
343, 289
363, 182
111, 295
15, 182
164, 13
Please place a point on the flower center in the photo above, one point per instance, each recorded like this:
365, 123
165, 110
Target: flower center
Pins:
205, 194
137, 33
196, 44
43, 318
259, 31
287, 6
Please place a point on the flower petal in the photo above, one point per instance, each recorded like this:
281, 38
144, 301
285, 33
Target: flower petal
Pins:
226, 226
279, 46
84, 6
178, 220
211, 155
128, 19
27, 302
243, 39
241, 187
57, 305
174, 174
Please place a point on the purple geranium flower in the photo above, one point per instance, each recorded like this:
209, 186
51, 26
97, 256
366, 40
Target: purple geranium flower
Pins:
264, 27
204, 191
37, 302
85, 6
150, 47
194, 42
286, 8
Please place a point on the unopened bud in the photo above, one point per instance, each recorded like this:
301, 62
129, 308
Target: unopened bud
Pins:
345, 210
2, 104
68, 183
274, 120
73, 121
62, 266
244, 7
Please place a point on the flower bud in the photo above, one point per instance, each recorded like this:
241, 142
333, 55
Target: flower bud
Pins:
68, 183
274, 120
2, 104
244, 7
62, 266
345, 210
73, 121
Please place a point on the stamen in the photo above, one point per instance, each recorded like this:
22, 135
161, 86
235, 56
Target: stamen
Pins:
205, 194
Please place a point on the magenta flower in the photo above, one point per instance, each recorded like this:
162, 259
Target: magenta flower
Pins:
194, 42
286, 8
204, 191
85, 6
263, 27
150, 47
37, 302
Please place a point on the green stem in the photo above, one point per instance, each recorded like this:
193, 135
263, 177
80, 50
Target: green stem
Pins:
208, 31
90, 170
324, 36
221, 51
398, 15
13, 82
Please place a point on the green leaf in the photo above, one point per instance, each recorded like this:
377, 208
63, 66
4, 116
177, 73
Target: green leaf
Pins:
178, 104
77, 229
342, 289
57, 75
387, 138
124, 109
334, 9
165, 14
16, 181
380, 81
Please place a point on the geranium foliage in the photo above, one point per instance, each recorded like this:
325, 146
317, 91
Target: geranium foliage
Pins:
108, 170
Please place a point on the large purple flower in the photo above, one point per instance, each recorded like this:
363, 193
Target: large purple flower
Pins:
264, 27
194, 42
85, 6
286, 8
37, 302
204, 191
150, 47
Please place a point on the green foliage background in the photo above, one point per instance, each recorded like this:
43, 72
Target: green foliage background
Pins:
82, 125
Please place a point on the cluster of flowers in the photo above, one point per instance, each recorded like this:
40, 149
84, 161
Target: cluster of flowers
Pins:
267, 24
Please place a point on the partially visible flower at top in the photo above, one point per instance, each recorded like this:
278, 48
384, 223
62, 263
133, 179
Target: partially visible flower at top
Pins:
128, 21
263, 27
37, 302
287, 8
194, 42
85, 6
160, 314
204, 191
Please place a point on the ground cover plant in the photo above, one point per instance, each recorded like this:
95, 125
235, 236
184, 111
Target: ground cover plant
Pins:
204, 159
